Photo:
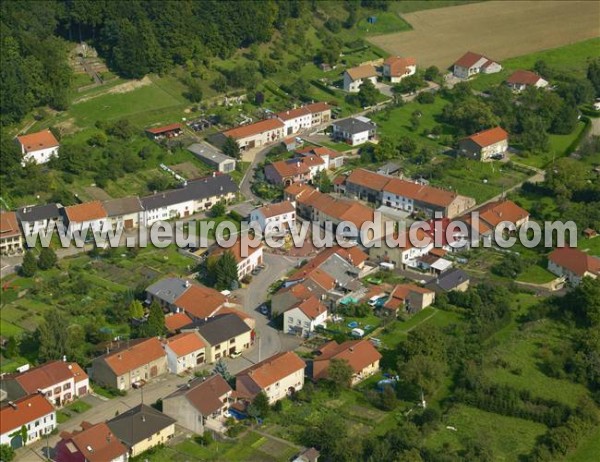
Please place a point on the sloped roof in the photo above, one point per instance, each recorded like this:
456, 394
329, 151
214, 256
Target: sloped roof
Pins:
362, 72
185, 343
48, 375
575, 261
38, 141
97, 443
399, 66
88, 211
138, 424
26, 409
279, 208
273, 369
496, 212
8, 224
522, 77
138, 353
236, 250
311, 307
200, 301
358, 353
204, 394
122, 206
221, 328
33, 213
176, 321
164, 129
469, 59
255, 128
368, 179
489, 137
401, 292
354, 125
422, 193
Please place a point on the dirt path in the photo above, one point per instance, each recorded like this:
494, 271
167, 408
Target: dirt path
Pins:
122, 88
499, 29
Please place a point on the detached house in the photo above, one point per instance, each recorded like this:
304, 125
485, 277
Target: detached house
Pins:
38, 147
225, 335
87, 216
355, 76
520, 80
278, 376
280, 216
484, 145
295, 170
494, 213
34, 218
245, 264
361, 355
332, 158
93, 443
452, 279
302, 318
471, 64
573, 264
354, 131
397, 68
11, 239
258, 133
34, 412
184, 351
137, 361
409, 298
200, 404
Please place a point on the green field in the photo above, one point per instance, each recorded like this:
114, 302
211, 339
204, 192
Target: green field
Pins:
508, 437
588, 449
536, 274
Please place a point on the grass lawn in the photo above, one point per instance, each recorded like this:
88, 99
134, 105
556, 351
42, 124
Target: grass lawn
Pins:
588, 449
385, 23
591, 246
76, 407
409, 6
536, 275
508, 437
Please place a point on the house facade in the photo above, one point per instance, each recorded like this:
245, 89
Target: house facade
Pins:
295, 170
280, 216
396, 68
11, 239
354, 131
355, 76
34, 412
484, 145
90, 216
573, 265
185, 352
520, 80
124, 213
38, 147
137, 361
37, 217
212, 157
245, 264
278, 377
361, 355
225, 335
304, 317
304, 117
471, 64
409, 298
258, 133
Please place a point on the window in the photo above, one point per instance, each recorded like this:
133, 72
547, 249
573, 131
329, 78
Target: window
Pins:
232, 340
66, 386
217, 347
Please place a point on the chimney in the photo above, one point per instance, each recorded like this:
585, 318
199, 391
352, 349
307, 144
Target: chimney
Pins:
12, 404
214, 174
143, 418
64, 358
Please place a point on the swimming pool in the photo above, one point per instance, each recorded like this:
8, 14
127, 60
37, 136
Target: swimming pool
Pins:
352, 324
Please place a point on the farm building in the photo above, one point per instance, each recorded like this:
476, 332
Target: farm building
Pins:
168, 131
258, 133
573, 264
213, 157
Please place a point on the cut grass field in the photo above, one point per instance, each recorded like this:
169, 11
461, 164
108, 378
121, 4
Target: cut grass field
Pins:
536, 274
508, 437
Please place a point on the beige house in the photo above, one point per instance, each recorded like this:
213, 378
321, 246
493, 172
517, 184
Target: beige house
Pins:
485, 145
409, 298
133, 363
356, 76
11, 239
184, 351
224, 336
361, 355
258, 133
200, 404
278, 376
124, 212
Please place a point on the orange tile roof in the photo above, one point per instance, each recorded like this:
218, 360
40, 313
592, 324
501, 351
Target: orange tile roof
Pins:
8, 225
361, 72
358, 353
166, 128
521, 77
496, 212
422, 193
295, 166
236, 250
280, 208
38, 141
368, 179
207, 396
200, 301
177, 321
469, 59
293, 113
97, 443
49, 374
399, 66
489, 137
300, 192
255, 128
88, 211
28, 409
317, 107
401, 292
311, 307
126, 358
185, 343
575, 261
274, 369
353, 255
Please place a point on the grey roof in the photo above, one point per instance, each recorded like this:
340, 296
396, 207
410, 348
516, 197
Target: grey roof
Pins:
12, 389
38, 213
450, 279
138, 424
354, 126
339, 269
219, 329
388, 169
169, 289
202, 188
207, 152
122, 206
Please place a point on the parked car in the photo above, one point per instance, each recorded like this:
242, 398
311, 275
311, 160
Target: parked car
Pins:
237, 354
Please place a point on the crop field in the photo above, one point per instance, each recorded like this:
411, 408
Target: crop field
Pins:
498, 29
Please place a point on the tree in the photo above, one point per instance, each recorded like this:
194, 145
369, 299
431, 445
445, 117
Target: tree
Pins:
136, 310
218, 210
388, 398
425, 372
415, 121
231, 148
593, 74
510, 266
226, 271
426, 97
432, 73
221, 369
11, 347
155, 325
47, 259
52, 336
340, 373
259, 408
409, 84
29, 265
469, 115
565, 120
367, 94
194, 93
323, 182
534, 137
6, 453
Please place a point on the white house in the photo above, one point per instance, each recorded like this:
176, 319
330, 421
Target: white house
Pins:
355, 76
33, 218
278, 376
304, 317
247, 263
397, 68
304, 117
279, 217
520, 80
34, 412
184, 351
354, 131
573, 264
90, 215
471, 64
401, 252
38, 147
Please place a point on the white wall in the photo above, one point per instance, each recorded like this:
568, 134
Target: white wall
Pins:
35, 429
39, 157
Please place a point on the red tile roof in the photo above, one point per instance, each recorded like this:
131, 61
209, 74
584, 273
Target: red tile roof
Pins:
200, 301
575, 261
280, 208
255, 128
185, 343
368, 179
166, 128
468, 59
8, 225
88, 211
496, 212
126, 359
399, 66
206, 396
296, 166
236, 250
401, 292
359, 353
419, 192
317, 107
293, 113
97, 443
38, 141
274, 369
353, 255
523, 78
49, 374
489, 137
361, 72
176, 321
26, 410
311, 307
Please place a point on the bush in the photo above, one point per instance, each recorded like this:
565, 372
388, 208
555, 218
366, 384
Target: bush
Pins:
426, 97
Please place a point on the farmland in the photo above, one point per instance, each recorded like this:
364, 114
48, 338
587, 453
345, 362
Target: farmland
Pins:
499, 29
